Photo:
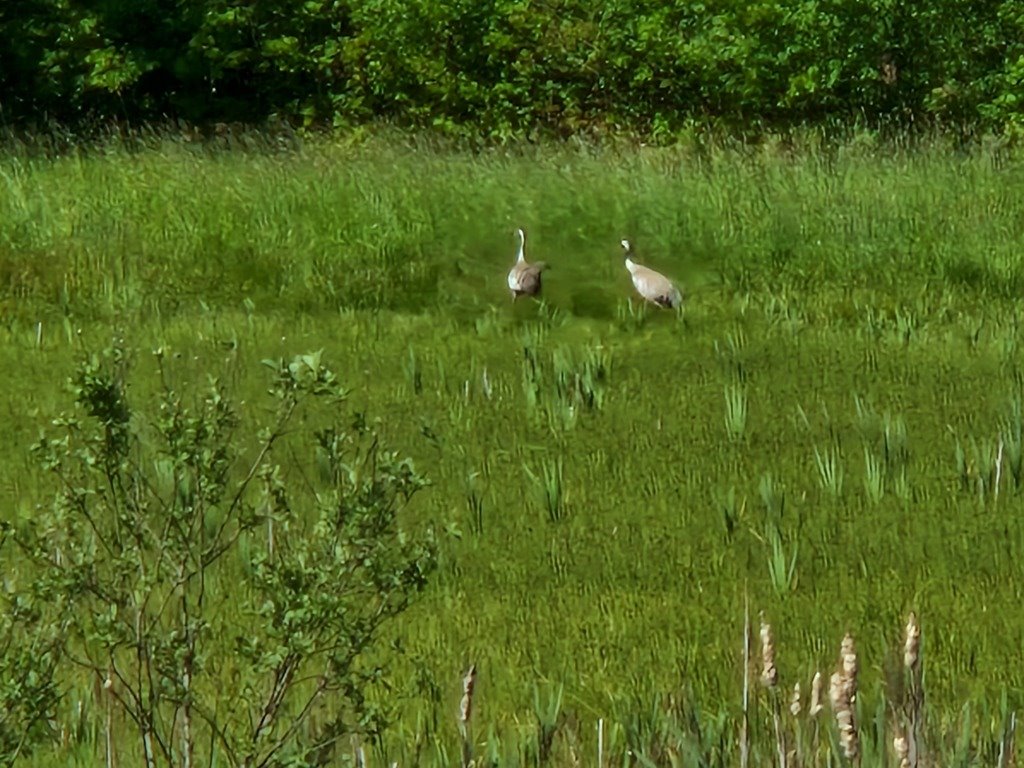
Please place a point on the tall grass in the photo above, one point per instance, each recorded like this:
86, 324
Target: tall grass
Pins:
604, 511
402, 226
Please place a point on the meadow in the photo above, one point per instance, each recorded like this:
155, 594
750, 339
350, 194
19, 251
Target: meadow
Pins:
830, 432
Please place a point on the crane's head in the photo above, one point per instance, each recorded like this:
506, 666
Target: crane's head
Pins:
628, 248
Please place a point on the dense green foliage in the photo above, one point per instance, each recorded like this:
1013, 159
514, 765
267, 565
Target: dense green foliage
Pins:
137, 561
831, 429
505, 66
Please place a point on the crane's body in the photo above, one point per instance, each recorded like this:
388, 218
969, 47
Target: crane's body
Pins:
524, 278
651, 285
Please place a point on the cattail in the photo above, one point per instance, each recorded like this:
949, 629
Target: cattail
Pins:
466, 707
912, 644
843, 693
465, 712
769, 674
816, 705
849, 656
770, 678
844, 716
914, 694
794, 702
836, 691
902, 749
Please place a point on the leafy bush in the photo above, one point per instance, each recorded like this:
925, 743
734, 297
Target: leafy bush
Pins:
157, 512
29, 648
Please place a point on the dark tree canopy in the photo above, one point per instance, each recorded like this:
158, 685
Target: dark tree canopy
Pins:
501, 67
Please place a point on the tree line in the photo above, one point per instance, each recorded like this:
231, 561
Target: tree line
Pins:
504, 67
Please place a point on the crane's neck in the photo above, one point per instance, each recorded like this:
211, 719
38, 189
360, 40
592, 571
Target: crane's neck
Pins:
628, 248
520, 253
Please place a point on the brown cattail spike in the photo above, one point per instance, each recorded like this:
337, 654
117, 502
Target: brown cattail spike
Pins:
843, 693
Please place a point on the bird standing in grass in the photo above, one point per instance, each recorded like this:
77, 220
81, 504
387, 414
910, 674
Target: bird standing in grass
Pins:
524, 278
653, 286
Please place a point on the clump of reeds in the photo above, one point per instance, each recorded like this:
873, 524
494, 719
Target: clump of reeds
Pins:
843, 694
803, 753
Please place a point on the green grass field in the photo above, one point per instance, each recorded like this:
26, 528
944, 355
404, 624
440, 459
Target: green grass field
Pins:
832, 428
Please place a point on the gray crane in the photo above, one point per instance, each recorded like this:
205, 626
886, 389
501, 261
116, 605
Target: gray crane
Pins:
653, 286
524, 278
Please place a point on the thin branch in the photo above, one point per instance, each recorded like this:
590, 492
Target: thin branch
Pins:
218, 731
282, 680
257, 463
297, 721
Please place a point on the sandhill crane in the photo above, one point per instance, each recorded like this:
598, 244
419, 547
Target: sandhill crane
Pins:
524, 278
653, 286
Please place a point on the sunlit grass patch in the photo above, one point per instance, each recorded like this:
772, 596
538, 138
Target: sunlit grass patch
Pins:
832, 428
